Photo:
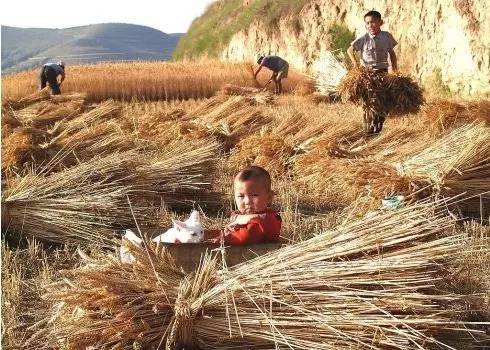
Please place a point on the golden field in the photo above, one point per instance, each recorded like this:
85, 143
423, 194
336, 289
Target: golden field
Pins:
150, 141
148, 81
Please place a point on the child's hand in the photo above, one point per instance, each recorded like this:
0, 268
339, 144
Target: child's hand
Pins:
244, 219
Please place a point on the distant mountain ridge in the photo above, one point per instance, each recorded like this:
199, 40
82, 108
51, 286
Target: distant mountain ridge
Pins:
26, 48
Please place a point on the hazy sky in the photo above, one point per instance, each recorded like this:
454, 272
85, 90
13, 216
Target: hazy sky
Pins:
167, 16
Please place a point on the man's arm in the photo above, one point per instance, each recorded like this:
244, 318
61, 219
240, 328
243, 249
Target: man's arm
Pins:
350, 52
62, 78
394, 64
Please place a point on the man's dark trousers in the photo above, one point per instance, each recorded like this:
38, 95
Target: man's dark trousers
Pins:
49, 75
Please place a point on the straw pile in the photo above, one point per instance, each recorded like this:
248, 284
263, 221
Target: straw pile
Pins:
256, 95
344, 181
371, 284
456, 163
15, 148
179, 173
231, 118
37, 96
46, 112
328, 72
383, 93
81, 203
444, 114
269, 151
88, 201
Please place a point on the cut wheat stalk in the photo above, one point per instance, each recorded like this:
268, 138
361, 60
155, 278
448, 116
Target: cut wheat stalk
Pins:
371, 283
82, 203
23, 102
328, 72
459, 162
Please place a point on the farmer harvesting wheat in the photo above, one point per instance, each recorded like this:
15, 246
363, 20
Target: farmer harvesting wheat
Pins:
279, 68
376, 48
49, 74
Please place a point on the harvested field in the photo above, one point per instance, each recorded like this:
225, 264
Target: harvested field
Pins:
352, 271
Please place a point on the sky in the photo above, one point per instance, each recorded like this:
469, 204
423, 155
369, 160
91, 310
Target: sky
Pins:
167, 16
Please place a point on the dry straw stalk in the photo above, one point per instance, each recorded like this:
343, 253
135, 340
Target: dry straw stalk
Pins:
371, 283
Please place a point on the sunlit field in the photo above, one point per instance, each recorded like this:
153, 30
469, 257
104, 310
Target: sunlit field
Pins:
135, 145
148, 81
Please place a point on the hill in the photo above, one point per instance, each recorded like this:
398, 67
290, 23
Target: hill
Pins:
25, 48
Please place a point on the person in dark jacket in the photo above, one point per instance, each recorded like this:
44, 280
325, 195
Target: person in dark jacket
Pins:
279, 68
49, 74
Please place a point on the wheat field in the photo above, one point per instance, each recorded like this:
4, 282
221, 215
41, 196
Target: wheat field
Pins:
147, 81
150, 141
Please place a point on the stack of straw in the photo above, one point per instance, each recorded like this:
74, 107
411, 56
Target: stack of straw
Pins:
37, 96
256, 95
269, 151
458, 163
88, 201
233, 118
444, 114
79, 204
328, 72
371, 284
382, 93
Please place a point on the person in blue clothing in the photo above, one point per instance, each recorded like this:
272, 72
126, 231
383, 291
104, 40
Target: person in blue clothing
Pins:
49, 74
279, 68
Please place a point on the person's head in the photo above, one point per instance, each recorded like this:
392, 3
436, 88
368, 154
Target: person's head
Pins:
373, 22
61, 64
252, 187
259, 60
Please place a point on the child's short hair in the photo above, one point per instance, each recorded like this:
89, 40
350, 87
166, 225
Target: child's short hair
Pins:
374, 14
255, 172
259, 60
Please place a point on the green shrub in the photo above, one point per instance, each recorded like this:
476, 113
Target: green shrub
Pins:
341, 38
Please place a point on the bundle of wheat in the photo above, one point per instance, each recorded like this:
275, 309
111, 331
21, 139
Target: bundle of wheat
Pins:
105, 110
23, 102
81, 203
456, 164
45, 112
100, 138
383, 93
373, 283
328, 72
343, 181
15, 148
462, 154
269, 151
253, 94
178, 172
330, 97
362, 86
233, 119
404, 95
443, 114
230, 89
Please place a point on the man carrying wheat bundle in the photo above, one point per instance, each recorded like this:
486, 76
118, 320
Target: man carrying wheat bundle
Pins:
376, 48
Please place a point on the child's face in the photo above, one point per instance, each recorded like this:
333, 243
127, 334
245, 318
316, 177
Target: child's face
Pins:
373, 24
252, 197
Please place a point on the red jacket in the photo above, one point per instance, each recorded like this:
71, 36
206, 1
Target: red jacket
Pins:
263, 228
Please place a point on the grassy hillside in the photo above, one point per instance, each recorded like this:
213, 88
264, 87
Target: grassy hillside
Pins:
214, 29
24, 48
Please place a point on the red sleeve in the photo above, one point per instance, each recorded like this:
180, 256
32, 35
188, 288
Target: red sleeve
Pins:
251, 233
256, 231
